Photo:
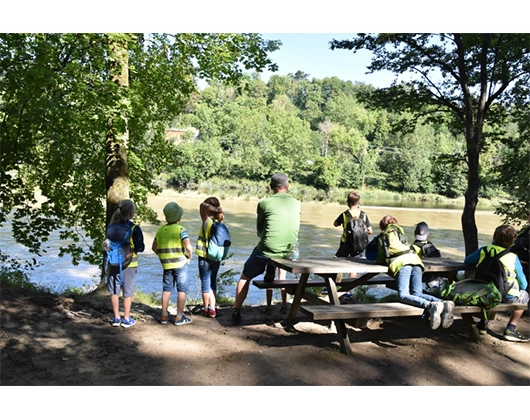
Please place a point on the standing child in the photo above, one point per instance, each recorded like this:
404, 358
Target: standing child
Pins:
120, 223
503, 238
407, 268
173, 247
349, 238
210, 211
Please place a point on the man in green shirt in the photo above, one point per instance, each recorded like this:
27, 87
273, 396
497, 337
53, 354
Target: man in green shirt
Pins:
278, 223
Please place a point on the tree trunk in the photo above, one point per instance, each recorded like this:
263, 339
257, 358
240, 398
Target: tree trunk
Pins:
117, 170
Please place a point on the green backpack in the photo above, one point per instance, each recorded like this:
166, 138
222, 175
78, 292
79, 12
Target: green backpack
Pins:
473, 292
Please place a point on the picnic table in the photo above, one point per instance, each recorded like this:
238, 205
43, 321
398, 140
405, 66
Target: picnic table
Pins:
331, 270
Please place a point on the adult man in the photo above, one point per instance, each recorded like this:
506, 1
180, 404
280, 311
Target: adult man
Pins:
278, 223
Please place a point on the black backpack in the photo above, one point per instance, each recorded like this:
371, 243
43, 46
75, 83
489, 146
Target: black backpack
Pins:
428, 250
356, 233
492, 269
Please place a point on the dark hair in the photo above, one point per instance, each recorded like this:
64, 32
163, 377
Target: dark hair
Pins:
213, 201
505, 236
353, 198
387, 220
124, 212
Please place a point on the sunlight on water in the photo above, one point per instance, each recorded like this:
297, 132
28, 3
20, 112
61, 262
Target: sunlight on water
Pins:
318, 238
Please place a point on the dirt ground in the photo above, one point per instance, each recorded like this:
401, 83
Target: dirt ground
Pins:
48, 341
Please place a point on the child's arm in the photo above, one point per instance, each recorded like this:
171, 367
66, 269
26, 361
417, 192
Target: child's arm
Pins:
189, 249
519, 273
154, 247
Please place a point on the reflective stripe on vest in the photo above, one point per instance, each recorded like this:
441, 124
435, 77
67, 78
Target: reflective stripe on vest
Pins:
202, 242
170, 250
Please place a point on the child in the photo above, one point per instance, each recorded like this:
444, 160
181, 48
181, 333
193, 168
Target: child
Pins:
426, 249
407, 268
210, 210
173, 247
422, 246
120, 222
346, 248
522, 248
503, 238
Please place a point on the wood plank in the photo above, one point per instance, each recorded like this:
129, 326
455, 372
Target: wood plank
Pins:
388, 310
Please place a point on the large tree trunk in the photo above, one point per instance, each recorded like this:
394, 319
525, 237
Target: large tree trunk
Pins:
117, 170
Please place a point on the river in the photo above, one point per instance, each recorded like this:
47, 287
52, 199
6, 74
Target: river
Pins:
318, 238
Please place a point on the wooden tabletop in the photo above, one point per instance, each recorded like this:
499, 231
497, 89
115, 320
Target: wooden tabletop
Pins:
333, 265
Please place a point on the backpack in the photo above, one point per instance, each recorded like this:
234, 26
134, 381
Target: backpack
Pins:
118, 246
356, 233
428, 250
492, 269
473, 292
371, 249
393, 242
219, 242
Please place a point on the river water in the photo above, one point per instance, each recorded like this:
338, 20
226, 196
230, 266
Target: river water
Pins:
318, 238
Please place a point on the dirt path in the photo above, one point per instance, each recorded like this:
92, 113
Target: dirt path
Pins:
47, 340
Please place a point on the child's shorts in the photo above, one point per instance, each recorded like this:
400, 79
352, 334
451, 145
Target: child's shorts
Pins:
523, 297
175, 278
129, 278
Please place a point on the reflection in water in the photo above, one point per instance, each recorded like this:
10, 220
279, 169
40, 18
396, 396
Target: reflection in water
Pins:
318, 238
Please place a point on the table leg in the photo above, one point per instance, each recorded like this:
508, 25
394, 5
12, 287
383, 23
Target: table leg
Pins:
342, 330
295, 306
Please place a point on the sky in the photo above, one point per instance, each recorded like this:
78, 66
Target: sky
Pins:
310, 53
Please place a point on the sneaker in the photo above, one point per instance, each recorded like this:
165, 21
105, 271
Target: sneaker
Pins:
447, 314
126, 323
183, 320
482, 327
206, 312
324, 291
348, 296
212, 313
116, 322
269, 273
236, 317
515, 336
163, 319
435, 312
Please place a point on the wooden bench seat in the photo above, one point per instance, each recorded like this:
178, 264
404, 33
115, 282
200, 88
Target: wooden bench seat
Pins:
364, 311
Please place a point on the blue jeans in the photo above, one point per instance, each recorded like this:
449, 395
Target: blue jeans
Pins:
208, 272
410, 287
175, 278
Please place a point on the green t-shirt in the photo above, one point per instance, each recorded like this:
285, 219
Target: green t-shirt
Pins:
278, 224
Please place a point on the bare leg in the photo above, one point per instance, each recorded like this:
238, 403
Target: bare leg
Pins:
516, 315
165, 302
115, 302
127, 302
181, 303
241, 291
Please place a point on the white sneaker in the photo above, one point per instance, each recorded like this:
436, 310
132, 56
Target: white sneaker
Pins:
435, 312
447, 314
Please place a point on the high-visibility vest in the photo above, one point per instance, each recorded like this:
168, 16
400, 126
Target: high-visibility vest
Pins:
169, 247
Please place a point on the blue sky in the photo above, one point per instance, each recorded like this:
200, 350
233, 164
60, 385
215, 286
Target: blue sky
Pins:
311, 54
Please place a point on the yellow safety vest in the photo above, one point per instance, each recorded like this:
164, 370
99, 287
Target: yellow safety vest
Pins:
134, 261
170, 250
202, 242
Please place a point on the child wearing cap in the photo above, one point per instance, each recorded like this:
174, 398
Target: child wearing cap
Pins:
173, 247
422, 246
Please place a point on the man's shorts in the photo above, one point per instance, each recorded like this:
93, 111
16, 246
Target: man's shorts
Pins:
255, 264
129, 278
523, 298
175, 278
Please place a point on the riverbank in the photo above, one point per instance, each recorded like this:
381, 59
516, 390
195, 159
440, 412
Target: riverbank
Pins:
48, 340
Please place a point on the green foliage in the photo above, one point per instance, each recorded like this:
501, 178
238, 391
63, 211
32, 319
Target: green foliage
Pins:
82, 113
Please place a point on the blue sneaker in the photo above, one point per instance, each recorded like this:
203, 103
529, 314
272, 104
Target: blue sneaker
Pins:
116, 322
324, 291
126, 323
182, 321
348, 296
